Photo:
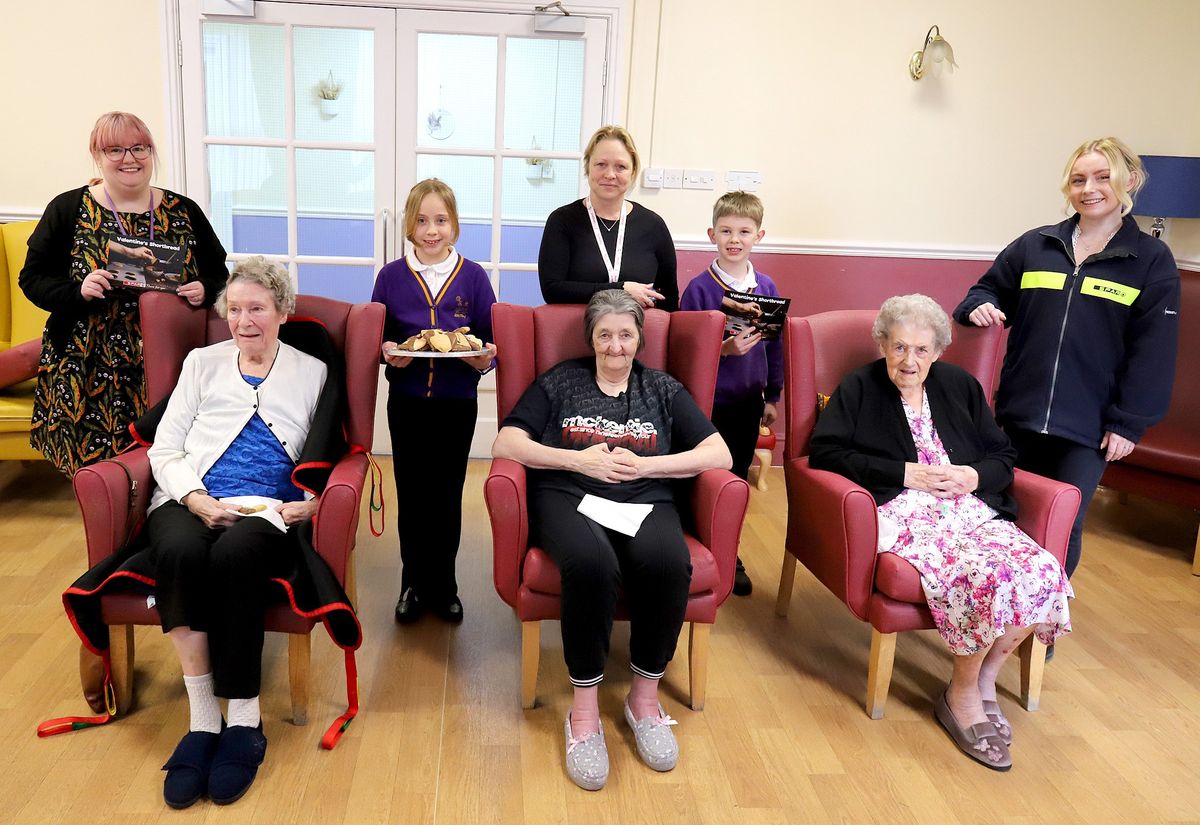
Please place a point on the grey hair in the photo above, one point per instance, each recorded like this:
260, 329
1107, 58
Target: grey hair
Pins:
270, 275
613, 302
915, 310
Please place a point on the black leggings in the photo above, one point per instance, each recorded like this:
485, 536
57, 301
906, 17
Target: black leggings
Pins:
738, 424
431, 442
653, 568
218, 582
1065, 461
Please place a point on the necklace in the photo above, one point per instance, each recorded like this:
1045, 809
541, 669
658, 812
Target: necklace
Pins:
609, 226
1077, 245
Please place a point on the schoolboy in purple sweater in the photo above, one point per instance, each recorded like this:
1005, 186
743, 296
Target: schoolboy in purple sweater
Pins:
750, 375
432, 402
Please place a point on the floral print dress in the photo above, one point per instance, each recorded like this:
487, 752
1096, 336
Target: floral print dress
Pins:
91, 390
979, 572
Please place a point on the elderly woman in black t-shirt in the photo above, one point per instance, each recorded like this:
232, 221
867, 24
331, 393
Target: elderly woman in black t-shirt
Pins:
612, 429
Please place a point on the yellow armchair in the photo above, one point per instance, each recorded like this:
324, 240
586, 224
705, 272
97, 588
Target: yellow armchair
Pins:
21, 325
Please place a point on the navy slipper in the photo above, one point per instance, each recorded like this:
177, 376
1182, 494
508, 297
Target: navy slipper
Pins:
239, 753
187, 769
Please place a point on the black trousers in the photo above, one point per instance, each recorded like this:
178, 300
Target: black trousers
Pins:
218, 582
738, 424
1065, 461
431, 441
654, 568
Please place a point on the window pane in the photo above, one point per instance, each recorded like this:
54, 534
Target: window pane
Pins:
243, 80
471, 180
531, 193
248, 189
345, 283
520, 288
335, 202
543, 94
456, 91
338, 62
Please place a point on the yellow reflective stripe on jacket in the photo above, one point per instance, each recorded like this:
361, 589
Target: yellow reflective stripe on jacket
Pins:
1043, 280
1111, 290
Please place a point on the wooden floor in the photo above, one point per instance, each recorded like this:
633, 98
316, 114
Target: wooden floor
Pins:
784, 738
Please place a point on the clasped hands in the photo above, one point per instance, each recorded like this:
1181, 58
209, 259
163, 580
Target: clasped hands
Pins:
609, 464
941, 480
216, 513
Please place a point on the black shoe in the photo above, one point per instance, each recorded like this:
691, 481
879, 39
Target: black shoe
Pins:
409, 607
187, 769
235, 764
742, 586
451, 611
1049, 652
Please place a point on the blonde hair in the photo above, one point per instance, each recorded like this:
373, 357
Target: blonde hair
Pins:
429, 186
617, 133
1124, 166
270, 275
916, 310
739, 205
113, 126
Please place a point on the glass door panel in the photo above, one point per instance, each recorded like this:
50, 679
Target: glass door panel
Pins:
334, 84
456, 91
243, 80
471, 180
543, 94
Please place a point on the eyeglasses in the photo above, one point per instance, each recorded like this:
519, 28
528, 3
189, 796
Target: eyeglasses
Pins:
140, 151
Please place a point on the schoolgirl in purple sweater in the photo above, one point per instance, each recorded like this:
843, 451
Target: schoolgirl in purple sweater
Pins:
432, 402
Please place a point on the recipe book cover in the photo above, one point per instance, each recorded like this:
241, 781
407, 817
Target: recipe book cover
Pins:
139, 263
764, 313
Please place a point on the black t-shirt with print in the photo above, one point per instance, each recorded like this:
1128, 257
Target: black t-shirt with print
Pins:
565, 408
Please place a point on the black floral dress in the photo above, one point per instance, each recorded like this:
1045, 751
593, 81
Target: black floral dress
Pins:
90, 382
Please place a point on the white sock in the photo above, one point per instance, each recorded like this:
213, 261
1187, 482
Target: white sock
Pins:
206, 711
244, 712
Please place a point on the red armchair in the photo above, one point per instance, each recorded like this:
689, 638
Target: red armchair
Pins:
685, 344
832, 524
171, 329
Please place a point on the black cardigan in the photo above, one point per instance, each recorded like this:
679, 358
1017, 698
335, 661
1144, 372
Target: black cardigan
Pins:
864, 435
45, 277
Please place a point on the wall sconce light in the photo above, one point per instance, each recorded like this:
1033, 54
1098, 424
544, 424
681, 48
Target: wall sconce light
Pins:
1172, 190
935, 55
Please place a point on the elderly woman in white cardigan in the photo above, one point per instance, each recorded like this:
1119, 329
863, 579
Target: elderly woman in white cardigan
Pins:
234, 426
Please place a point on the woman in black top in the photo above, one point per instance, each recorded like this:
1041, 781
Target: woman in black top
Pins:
604, 241
90, 383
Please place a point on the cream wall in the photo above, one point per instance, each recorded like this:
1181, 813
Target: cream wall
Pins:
63, 64
816, 96
813, 95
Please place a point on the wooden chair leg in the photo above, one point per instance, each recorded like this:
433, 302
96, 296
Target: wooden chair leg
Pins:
531, 652
765, 457
698, 634
299, 657
1033, 665
1196, 556
786, 578
351, 586
121, 656
879, 671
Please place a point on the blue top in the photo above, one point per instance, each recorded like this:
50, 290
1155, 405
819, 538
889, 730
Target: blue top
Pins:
255, 464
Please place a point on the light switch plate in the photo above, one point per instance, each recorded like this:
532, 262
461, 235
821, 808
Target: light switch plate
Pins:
672, 179
652, 178
699, 179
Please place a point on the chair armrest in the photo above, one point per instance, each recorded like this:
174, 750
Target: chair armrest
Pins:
508, 507
719, 500
109, 506
1046, 510
833, 530
336, 523
19, 363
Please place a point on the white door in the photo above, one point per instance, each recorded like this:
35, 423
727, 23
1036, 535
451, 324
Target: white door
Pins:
483, 101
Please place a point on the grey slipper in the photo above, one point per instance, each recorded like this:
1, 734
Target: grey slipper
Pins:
997, 718
656, 743
587, 758
981, 742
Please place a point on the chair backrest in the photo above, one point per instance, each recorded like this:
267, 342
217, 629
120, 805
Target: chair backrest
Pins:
530, 340
20, 320
820, 350
171, 329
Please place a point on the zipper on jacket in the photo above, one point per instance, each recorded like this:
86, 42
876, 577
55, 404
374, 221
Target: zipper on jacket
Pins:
1062, 332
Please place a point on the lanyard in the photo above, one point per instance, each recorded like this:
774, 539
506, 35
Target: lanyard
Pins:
121, 223
614, 268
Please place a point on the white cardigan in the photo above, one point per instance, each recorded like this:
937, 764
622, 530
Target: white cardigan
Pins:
212, 404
